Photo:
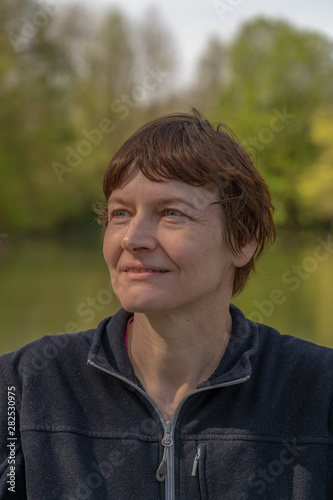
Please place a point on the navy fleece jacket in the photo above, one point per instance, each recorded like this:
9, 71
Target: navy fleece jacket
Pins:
261, 427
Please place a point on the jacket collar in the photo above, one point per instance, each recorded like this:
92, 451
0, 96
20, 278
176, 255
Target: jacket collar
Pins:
108, 351
236, 362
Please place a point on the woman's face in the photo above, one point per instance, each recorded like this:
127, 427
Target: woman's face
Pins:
164, 247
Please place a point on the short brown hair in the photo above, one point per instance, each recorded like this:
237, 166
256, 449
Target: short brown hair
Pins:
188, 148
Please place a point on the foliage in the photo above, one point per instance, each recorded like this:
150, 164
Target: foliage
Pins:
75, 84
316, 186
72, 87
274, 78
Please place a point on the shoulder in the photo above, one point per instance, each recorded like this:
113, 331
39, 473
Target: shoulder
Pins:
291, 347
292, 359
44, 355
293, 381
268, 343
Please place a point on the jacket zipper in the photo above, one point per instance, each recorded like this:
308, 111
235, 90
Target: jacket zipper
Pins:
165, 471
195, 462
167, 442
168, 455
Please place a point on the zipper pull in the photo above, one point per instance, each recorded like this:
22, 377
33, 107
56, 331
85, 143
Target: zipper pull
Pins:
167, 442
195, 463
162, 470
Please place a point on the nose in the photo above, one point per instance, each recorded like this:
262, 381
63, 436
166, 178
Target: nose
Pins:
140, 235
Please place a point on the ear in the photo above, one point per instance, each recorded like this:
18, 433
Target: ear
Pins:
245, 255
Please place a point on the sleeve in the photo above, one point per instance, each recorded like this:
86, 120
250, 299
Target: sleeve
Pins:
12, 472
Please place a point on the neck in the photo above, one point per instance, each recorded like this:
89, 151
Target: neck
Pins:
172, 355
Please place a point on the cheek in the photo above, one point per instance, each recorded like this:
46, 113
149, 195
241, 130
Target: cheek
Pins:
216, 258
191, 257
181, 249
196, 249
105, 250
111, 250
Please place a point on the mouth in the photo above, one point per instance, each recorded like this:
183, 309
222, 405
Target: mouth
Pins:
142, 271
137, 272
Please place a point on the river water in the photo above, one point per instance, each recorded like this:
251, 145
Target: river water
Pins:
52, 285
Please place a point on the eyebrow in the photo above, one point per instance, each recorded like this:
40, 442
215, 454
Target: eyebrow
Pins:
175, 199
161, 201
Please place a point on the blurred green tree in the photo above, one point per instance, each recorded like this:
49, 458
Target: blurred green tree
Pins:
272, 81
72, 86
34, 89
316, 186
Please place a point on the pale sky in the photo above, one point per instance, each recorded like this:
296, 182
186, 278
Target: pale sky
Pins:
191, 22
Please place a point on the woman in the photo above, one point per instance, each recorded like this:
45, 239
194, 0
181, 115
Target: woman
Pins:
178, 395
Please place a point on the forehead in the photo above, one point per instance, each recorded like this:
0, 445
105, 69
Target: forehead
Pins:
138, 186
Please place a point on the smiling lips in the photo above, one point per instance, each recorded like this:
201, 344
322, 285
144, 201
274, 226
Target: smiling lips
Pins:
133, 270
141, 272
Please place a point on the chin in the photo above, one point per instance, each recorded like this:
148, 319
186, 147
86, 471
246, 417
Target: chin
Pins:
140, 306
136, 305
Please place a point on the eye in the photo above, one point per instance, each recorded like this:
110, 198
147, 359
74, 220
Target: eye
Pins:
118, 214
171, 212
